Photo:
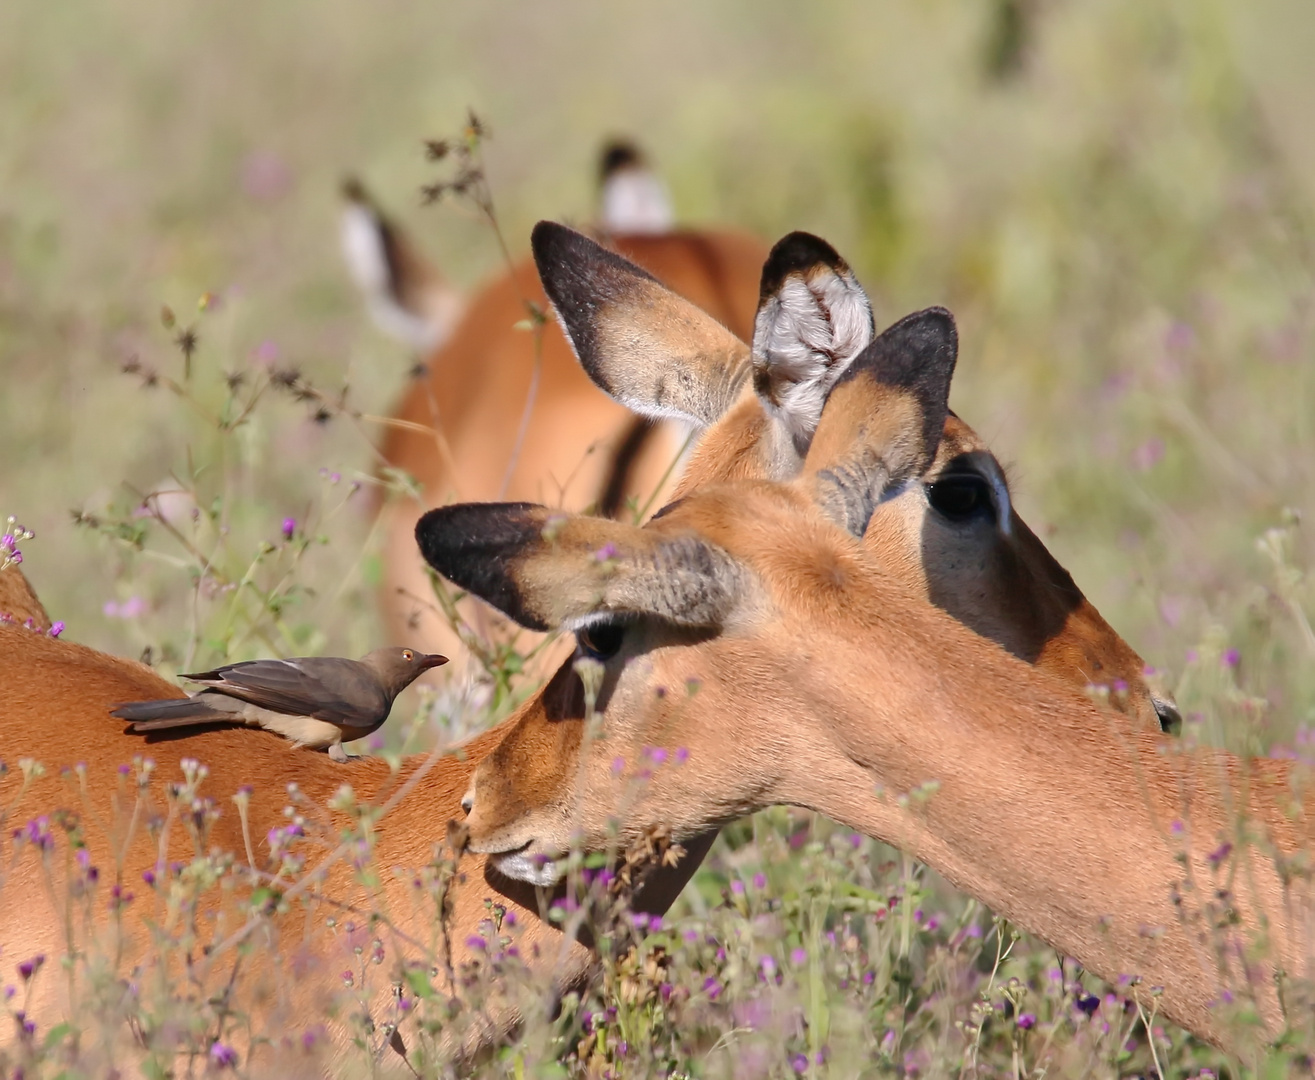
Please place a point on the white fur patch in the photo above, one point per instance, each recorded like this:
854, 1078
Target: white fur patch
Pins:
804, 337
363, 249
522, 867
636, 201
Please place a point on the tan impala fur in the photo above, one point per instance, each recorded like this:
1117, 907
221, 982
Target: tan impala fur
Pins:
18, 602
750, 626
57, 700
464, 413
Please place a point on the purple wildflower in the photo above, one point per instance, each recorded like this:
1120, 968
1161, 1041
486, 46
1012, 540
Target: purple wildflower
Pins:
1027, 1021
1087, 1004
28, 968
289, 527
222, 1056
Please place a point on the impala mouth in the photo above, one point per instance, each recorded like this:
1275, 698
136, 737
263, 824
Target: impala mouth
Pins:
523, 864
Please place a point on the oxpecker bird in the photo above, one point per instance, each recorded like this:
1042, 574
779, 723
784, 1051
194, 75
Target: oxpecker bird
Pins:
317, 701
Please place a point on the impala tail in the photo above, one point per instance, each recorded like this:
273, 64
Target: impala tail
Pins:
408, 298
632, 198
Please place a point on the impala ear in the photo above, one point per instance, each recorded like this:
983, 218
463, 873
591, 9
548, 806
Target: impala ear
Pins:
545, 568
651, 350
813, 320
883, 418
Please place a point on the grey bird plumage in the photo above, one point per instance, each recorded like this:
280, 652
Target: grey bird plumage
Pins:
316, 701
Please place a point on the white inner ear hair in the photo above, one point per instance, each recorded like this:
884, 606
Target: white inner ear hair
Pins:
803, 338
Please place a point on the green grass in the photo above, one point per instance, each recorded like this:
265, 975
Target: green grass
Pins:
1113, 198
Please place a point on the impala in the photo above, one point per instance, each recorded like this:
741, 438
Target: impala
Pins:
60, 694
826, 679
18, 602
500, 411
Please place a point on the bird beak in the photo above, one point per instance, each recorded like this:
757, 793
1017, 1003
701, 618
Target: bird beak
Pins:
432, 660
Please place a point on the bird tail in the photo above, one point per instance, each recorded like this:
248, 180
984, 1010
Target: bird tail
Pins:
169, 713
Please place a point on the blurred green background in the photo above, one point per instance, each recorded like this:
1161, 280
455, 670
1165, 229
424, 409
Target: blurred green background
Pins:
1115, 199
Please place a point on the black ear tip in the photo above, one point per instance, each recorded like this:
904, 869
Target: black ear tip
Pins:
447, 536
475, 544
931, 327
797, 253
552, 242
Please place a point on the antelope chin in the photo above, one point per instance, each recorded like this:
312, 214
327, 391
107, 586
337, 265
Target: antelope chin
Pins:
522, 866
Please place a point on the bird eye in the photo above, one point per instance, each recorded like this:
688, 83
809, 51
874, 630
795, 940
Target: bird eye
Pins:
408, 655
601, 641
960, 497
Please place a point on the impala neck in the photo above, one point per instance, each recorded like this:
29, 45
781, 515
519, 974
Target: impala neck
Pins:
1108, 844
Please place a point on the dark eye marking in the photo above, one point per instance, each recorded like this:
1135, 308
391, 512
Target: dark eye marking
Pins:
601, 641
960, 496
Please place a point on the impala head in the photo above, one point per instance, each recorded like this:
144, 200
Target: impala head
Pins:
722, 589
952, 536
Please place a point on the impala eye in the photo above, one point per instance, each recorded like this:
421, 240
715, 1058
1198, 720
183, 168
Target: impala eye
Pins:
960, 497
1171, 720
601, 641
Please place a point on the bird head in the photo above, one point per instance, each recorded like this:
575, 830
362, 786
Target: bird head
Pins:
398, 667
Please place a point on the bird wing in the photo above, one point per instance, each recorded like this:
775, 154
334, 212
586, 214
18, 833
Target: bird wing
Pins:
343, 692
